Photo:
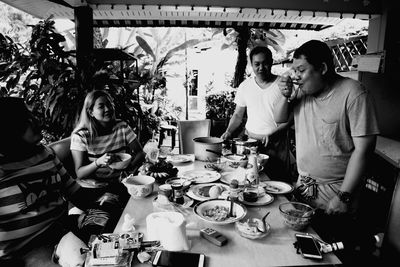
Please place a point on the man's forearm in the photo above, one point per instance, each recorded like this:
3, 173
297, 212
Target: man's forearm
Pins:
354, 173
234, 123
357, 165
281, 110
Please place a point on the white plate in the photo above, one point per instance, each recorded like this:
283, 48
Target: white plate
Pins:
194, 191
201, 176
261, 201
277, 187
227, 177
180, 158
239, 210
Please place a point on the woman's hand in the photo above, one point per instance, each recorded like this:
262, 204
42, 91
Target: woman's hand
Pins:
104, 160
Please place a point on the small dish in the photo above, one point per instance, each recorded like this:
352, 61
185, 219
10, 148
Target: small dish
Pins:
261, 201
253, 228
201, 176
277, 187
180, 158
238, 174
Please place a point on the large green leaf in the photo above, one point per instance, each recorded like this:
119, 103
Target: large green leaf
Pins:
145, 46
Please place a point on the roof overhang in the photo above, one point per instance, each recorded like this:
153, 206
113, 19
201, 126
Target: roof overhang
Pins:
278, 14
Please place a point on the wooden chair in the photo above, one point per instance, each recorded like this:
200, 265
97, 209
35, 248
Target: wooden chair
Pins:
189, 130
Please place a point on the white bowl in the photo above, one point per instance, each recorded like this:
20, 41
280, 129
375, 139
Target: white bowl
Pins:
236, 160
139, 186
220, 207
121, 161
262, 159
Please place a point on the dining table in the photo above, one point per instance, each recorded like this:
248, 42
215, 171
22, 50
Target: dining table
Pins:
275, 249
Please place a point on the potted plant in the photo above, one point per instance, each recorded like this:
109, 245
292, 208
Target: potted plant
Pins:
220, 108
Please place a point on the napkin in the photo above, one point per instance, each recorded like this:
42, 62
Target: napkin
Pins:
169, 228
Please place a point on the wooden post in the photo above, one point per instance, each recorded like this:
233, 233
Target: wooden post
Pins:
84, 43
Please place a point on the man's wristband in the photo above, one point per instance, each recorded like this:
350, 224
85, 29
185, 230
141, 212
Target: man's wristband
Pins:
345, 197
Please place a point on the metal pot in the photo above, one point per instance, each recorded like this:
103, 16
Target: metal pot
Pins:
239, 146
202, 144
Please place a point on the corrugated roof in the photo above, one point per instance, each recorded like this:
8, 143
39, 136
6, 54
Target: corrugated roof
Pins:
272, 14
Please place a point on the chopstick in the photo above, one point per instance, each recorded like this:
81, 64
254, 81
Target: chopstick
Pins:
231, 209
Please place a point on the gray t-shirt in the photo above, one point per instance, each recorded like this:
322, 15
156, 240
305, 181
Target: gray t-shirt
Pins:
325, 127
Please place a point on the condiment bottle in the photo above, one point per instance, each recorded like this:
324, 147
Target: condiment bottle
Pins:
178, 193
234, 190
252, 176
250, 193
233, 195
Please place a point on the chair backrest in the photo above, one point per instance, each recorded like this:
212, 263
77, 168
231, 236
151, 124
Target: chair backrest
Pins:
189, 130
62, 149
391, 243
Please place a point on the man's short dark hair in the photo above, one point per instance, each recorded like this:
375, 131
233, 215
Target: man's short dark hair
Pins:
316, 53
261, 50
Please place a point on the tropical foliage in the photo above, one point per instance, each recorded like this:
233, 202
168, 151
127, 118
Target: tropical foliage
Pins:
13, 23
220, 106
45, 75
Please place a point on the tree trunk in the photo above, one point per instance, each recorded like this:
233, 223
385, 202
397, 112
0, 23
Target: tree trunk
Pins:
240, 69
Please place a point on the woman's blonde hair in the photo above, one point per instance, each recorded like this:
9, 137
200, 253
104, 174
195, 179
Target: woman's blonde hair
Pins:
86, 121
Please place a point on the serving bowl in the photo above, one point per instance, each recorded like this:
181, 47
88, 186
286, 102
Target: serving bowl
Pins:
216, 211
120, 161
252, 228
236, 160
296, 215
262, 159
139, 186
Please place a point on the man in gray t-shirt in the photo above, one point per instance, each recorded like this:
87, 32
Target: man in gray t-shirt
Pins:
335, 125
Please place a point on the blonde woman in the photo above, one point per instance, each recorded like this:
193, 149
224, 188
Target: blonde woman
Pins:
96, 138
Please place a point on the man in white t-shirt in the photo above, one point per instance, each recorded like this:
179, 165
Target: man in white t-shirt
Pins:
257, 96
